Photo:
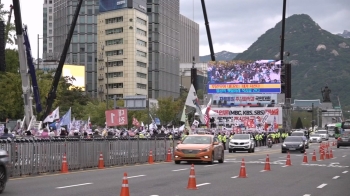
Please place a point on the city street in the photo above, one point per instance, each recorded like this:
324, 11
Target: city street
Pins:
328, 177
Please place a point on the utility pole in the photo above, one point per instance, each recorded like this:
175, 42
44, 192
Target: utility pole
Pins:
38, 54
312, 118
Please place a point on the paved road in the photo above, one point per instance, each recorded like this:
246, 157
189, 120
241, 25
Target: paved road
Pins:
328, 177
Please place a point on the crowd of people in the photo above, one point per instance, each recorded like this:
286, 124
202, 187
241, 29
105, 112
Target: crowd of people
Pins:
243, 72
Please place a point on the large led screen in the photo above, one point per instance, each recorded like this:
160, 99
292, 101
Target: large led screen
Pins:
244, 77
108, 5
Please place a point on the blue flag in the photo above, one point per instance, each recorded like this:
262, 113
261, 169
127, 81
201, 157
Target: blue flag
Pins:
66, 119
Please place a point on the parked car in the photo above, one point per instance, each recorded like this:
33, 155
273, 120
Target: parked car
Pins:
3, 169
242, 142
298, 133
293, 143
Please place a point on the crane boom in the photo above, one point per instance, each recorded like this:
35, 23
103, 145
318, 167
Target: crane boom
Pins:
52, 93
23, 68
212, 54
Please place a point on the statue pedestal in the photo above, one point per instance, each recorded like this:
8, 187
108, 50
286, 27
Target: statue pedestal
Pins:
326, 105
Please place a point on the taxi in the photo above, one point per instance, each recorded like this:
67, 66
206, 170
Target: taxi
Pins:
199, 147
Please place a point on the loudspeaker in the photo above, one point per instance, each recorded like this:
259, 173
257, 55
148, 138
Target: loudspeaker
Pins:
194, 78
2, 47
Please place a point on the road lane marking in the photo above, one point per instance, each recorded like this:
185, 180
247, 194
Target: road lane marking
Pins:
335, 177
136, 176
333, 157
234, 177
203, 184
285, 165
210, 165
180, 169
263, 171
344, 172
307, 195
321, 186
75, 185
344, 155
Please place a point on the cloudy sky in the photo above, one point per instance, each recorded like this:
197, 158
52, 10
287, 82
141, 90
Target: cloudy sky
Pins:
234, 24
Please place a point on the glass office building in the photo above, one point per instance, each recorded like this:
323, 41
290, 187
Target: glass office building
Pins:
83, 47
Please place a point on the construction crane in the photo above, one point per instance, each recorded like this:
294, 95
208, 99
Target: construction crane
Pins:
52, 94
212, 54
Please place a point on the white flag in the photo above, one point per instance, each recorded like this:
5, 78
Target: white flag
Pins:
53, 116
192, 101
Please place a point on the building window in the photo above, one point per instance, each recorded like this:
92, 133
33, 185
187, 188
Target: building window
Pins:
50, 45
114, 31
114, 20
141, 86
111, 96
140, 53
114, 42
141, 32
141, 64
141, 21
50, 25
141, 75
114, 64
114, 75
114, 53
141, 43
50, 10
50, 31
115, 85
50, 18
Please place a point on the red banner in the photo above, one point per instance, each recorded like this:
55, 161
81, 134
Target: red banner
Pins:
118, 117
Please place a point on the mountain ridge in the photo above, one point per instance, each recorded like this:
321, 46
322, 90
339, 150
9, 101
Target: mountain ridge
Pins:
318, 57
219, 56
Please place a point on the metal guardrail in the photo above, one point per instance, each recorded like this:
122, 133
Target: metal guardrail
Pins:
32, 156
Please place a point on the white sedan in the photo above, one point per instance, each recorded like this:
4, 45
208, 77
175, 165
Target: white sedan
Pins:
315, 138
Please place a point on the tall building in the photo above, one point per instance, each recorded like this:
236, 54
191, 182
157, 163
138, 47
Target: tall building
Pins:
83, 47
164, 57
48, 24
189, 40
122, 48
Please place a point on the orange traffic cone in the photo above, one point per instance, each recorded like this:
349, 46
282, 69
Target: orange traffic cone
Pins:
327, 154
305, 158
101, 163
168, 156
242, 172
150, 157
192, 179
288, 162
124, 191
320, 148
267, 163
322, 155
64, 168
314, 158
330, 154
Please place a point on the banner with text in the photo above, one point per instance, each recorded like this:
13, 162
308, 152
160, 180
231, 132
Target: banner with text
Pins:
252, 118
244, 77
244, 99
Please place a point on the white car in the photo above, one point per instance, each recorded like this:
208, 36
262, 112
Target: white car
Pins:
242, 142
315, 138
323, 133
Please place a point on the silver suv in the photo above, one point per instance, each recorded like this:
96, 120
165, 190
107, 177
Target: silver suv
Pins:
242, 142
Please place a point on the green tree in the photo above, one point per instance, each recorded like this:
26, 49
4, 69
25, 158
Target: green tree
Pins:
299, 124
168, 109
9, 29
12, 60
11, 104
200, 93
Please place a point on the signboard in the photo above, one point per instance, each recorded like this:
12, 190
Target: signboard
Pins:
118, 117
252, 118
108, 5
244, 77
244, 99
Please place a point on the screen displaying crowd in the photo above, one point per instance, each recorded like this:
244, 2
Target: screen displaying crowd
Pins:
244, 72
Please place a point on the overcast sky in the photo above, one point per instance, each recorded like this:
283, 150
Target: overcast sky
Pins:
234, 24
